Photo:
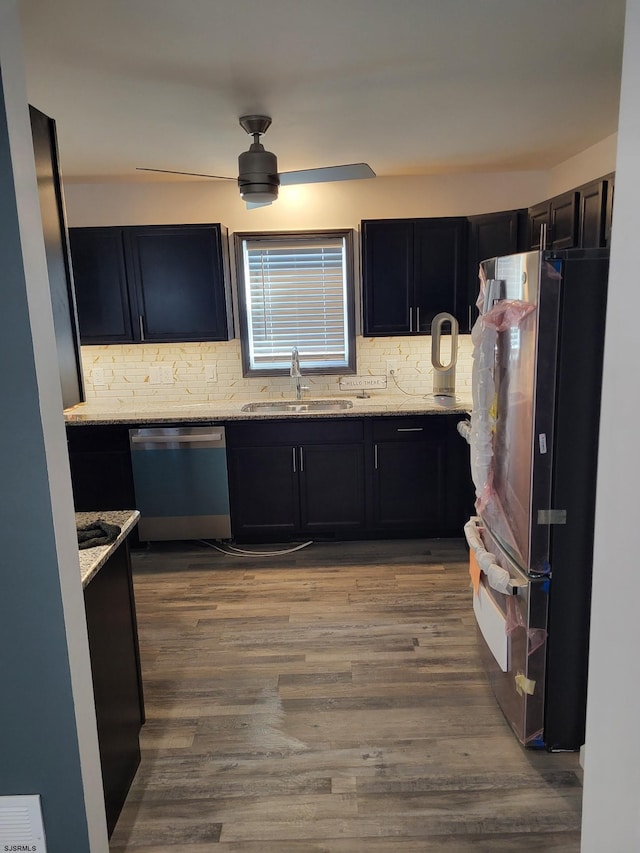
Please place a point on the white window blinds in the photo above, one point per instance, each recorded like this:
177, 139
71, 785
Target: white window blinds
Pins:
296, 295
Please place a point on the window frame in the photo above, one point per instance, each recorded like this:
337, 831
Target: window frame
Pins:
345, 234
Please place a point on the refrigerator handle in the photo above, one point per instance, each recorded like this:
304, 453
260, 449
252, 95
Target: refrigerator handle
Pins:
497, 577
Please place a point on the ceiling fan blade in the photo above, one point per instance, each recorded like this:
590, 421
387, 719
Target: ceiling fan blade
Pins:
251, 205
192, 174
350, 172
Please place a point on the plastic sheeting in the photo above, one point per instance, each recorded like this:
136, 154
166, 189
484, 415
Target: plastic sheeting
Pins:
500, 580
497, 577
504, 315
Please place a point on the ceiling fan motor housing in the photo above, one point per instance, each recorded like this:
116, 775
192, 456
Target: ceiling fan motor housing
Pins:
258, 174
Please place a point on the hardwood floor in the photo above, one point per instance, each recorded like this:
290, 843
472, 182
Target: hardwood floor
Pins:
328, 701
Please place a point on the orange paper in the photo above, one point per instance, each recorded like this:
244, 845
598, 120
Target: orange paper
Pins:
474, 571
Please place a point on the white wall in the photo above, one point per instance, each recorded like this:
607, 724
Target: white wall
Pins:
48, 737
595, 162
611, 804
336, 205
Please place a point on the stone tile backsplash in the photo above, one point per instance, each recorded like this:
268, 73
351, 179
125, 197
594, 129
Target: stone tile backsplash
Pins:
175, 372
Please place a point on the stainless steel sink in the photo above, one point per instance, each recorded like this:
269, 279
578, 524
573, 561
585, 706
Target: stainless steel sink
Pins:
298, 406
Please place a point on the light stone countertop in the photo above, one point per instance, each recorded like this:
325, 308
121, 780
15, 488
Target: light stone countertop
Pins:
92, 559
137, 411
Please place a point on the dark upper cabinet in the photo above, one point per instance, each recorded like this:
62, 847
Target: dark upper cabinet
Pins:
553, 224
580, 218
591, 214
564, 221
492, 235
412, 269
100, 277
54, 226
158, 283
608, 215
539, 220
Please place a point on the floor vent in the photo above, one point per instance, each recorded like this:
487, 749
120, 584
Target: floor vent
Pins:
21, 828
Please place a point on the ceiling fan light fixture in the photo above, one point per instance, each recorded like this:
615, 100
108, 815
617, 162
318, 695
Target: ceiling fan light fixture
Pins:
258, 174
259, 193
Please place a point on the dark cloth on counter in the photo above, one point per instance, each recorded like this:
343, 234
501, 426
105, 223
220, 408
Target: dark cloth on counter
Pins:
96, 533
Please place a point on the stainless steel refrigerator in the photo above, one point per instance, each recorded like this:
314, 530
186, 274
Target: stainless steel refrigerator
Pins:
538, 347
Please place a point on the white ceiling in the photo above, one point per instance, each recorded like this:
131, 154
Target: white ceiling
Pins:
409, 86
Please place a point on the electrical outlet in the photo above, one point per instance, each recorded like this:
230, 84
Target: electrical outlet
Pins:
392, 367
166, 374
97, 374
210, 373
154, 375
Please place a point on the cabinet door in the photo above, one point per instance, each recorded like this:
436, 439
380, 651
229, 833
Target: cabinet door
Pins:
54, 227
263, 485
591, 215
332, 487
97, 256
564, 221
492, 235
409, 474
609, 209
180, 283
440, 282
387, 276
101, 474
117, 685
539, 224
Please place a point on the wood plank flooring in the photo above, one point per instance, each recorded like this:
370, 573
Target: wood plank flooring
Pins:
328, 701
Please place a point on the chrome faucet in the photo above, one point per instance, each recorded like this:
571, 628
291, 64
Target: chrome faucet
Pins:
296, 374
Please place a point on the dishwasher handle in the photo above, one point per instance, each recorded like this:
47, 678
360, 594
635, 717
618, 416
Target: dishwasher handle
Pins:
168, 438
175, 439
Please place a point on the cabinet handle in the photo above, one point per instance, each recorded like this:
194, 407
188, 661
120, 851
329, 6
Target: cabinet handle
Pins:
375, 456
410, 429
141, 321
301, 462
417, 318
411, 319
543, 235
469, 317
295, 468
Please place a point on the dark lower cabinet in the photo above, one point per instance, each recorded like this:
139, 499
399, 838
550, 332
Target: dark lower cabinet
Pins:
409, 475
264, 491
421, 482
328, 478
299, 478
332, 488
101, 472
351, 478
117, 682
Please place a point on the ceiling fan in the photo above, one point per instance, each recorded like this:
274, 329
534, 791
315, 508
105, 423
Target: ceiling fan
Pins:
258, 176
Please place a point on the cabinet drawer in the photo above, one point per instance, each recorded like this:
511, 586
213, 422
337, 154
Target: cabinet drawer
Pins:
102, 439
406, 429
310, 431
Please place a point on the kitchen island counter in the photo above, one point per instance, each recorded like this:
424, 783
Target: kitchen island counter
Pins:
138, 412
93, 559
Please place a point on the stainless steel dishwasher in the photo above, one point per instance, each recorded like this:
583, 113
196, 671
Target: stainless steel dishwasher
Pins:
181, 484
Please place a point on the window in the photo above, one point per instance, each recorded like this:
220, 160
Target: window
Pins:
296, 290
